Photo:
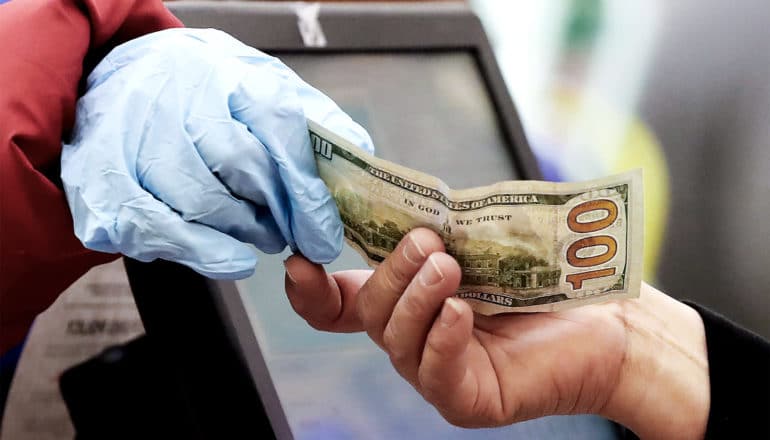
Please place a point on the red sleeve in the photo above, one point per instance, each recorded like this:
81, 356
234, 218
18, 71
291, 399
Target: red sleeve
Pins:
45, 45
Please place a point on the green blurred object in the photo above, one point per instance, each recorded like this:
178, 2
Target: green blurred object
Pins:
584, 21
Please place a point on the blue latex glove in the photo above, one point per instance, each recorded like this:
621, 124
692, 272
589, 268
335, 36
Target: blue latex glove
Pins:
189, 144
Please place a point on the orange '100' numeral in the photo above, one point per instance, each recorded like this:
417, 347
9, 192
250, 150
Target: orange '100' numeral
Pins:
596, 225
577, 279
583, 243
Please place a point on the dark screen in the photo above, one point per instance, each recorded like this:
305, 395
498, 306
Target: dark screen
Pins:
427, 111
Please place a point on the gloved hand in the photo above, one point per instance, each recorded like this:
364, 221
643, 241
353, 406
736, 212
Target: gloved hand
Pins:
189, 144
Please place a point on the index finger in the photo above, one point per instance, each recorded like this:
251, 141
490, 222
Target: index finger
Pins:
381, 292
273, 112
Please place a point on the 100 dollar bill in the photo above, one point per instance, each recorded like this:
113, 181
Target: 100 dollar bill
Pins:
523, 246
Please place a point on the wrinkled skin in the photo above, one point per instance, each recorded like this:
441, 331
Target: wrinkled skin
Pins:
480, 370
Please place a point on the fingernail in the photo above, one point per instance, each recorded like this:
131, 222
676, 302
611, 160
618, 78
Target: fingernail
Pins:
288, 274
450, 313
413, 252
430, 274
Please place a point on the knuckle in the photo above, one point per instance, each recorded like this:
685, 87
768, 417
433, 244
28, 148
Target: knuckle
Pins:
363, 310
440, 396
317, 324
395, 279
437, 345
297, 305
430, 389
446, 407
455, 419
499, 418
434, 389
207, 204
226, 163
390, 343
399, 356
236, 159
282, 92
377, 338
416, 306
471, 421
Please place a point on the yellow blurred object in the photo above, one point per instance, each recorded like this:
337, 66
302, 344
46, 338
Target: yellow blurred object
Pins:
595, 140
641, 149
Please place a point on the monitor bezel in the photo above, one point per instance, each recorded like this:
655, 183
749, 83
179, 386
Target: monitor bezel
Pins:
272, 27
375, 27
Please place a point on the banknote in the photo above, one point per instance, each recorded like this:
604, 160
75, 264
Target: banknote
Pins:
523, 246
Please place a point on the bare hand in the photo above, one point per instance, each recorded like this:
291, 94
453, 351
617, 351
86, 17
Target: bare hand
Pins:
608, 359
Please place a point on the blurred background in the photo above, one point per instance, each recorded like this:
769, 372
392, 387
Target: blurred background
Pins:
680, 89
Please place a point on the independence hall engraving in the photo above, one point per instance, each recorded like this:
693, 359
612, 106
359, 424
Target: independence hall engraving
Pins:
492, 269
